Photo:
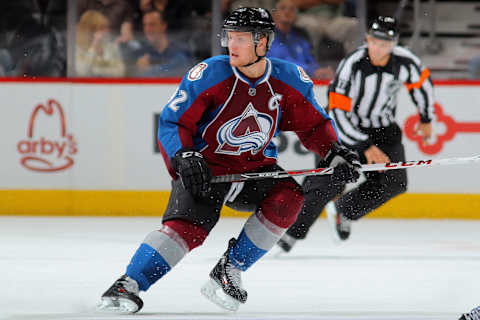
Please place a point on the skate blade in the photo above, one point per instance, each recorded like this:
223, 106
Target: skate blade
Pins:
214, 292
332, 222
117, 305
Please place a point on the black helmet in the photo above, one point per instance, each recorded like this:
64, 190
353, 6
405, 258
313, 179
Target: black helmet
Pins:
258, 21
384, 28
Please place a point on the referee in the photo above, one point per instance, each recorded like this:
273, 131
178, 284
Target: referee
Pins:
362, 99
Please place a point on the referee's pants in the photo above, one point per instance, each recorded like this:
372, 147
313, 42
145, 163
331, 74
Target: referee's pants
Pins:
378, 188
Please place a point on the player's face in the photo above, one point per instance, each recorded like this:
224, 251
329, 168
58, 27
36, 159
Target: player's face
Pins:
241, 48
379, 50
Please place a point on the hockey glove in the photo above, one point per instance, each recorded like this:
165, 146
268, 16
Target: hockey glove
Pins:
193, 171
345, 163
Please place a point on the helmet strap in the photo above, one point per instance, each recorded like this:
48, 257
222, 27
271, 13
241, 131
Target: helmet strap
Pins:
258, 57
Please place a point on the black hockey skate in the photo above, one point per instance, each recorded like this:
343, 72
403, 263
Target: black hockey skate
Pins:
472, 315
122, 297
286, 242
339, 224
227, 277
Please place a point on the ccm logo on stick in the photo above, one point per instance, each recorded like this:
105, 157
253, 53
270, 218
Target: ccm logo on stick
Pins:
408, 163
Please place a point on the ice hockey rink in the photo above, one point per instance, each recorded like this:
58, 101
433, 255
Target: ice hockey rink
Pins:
57, 268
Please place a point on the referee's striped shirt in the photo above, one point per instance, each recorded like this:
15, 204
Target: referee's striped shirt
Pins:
365, 96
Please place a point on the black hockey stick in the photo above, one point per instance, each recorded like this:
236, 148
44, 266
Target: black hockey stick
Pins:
323, 171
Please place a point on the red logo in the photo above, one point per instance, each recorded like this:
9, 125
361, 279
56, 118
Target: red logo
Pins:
451, 129
52, 152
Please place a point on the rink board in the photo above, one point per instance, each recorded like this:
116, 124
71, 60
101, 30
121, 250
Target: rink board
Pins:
87, 147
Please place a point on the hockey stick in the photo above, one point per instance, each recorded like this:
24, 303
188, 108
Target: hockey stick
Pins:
323, 171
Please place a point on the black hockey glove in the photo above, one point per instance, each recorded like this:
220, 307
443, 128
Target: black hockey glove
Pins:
193, 171
345, 163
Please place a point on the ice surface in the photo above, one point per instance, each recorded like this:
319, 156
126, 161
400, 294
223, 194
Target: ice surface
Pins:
57, 268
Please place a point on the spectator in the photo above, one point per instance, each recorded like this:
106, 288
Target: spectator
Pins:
33, 38
291, 43
96, 54
116, 11
324, 20
36, 50
6, 62
474, 68
157, 55
189, 22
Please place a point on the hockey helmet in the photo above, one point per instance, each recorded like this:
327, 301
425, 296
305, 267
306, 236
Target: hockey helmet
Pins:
258, 21
385, 28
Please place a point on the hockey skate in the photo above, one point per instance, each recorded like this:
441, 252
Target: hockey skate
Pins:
224, 288
286, 243
121, 297
472, 315
339, 225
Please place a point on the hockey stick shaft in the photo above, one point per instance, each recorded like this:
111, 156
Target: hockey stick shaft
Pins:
323, 171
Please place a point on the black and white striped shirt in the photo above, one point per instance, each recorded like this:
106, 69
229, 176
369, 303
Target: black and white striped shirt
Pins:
365, 96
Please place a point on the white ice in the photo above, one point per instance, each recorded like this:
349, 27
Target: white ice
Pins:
57, 268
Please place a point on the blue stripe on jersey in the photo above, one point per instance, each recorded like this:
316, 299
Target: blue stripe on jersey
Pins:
217, 69
245, 252
147, 266
271, 150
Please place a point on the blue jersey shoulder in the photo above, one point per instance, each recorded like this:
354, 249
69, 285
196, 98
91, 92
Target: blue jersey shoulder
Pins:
208, 73
291, 74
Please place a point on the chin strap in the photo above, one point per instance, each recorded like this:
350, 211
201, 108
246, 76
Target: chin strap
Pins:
252, 63
258, 58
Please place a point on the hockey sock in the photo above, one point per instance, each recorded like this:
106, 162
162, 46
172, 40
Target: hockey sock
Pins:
160, 251
257, 237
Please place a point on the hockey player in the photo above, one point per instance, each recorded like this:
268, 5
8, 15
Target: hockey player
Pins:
221, 121
362, 101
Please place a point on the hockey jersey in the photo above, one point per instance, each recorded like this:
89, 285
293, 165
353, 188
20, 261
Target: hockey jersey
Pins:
365, 96
218, 111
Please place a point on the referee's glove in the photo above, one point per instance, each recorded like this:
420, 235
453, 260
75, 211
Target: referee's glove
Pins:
193, 171
345, 162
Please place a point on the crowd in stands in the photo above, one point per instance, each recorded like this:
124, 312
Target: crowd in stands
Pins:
163, 38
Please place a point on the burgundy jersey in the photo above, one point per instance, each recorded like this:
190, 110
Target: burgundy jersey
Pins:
231, 121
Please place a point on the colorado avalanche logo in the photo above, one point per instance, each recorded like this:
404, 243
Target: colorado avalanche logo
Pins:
248, 132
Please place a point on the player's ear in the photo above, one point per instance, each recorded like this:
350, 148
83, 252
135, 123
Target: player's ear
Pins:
262, 45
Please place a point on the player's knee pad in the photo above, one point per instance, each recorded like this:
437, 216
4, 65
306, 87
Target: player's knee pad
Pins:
192, 234
283, 204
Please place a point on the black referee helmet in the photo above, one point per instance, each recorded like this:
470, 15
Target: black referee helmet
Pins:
385, 28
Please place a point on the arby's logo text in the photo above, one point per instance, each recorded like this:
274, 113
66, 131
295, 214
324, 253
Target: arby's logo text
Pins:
48, 146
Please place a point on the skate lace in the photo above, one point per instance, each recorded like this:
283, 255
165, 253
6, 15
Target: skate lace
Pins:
233, 275
473, 315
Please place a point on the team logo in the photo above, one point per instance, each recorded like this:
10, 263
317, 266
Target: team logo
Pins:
393, 87
248, 132
303, 75
196, 72
47, 147
452, 128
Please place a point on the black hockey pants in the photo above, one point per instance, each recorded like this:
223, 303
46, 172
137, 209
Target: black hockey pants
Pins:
378, 188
